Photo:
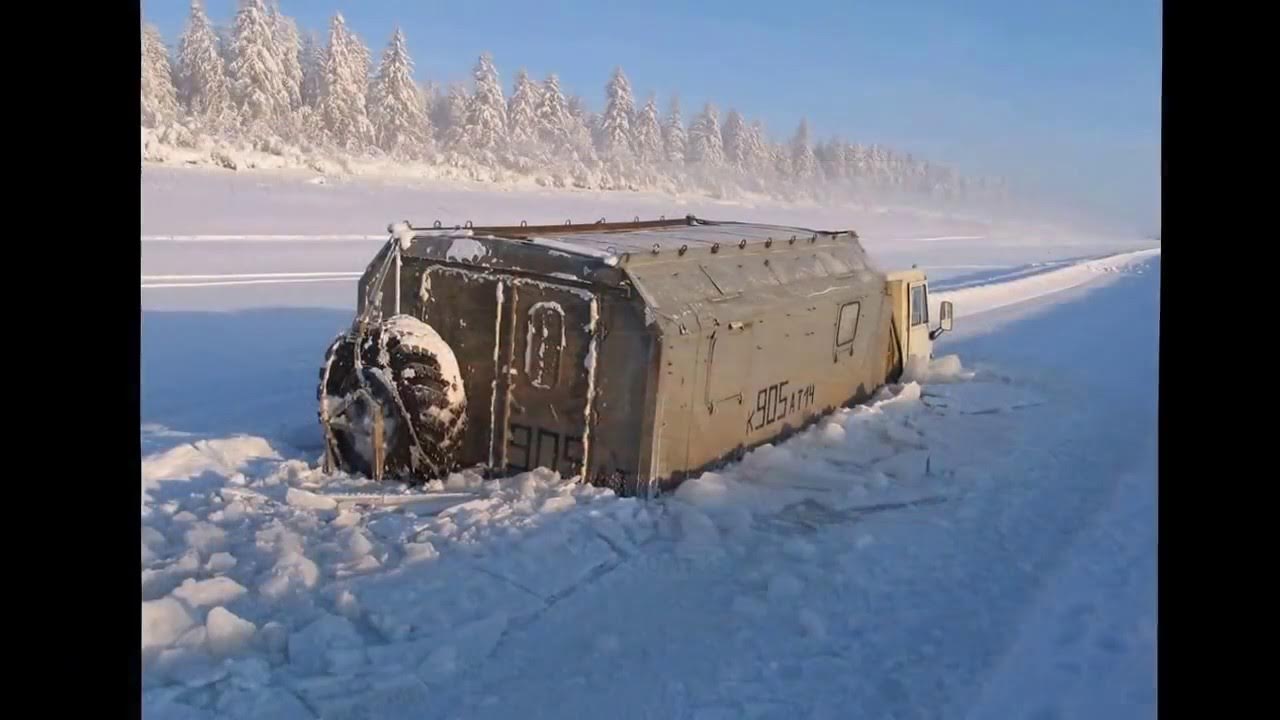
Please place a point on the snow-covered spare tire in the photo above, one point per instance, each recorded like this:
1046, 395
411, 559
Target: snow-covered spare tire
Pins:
409, 376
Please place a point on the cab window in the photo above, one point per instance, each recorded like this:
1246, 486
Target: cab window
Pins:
919, 306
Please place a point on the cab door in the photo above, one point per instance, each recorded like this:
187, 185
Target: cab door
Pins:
918, 342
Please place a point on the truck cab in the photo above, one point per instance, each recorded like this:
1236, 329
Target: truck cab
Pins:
908, 291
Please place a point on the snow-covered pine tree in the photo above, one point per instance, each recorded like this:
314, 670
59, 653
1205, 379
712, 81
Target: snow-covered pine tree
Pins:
674, 139
201, 77
553, 119
401, 125
449, 116
312, 59
803, 164
522, 112
226, 41
733, 138
582, 127
830, 160
343, 116
780, 158
705, 144
648, 134
485, 129
755, 149
615, 136
288, 51
258, 87
159, 96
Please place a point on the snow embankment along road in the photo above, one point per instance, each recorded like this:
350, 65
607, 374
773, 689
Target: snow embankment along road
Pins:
258, 238
227, 279
991, 296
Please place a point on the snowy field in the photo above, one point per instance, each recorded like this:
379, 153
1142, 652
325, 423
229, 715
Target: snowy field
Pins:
978, 542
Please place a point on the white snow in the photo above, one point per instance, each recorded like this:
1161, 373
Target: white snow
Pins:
977, 541
227, 633
208, 593
984, 298
163, 622
465, 248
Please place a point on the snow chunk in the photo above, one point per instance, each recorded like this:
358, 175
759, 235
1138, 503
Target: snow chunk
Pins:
709, 490
208, 593
557, 503
833, 434
292, 572
224, 457
391, 528
419, 551
206, 537
192, 668
403, 234
153, 539
308, 648
250, 672
220, 562
464, 248
228, 634
940, 370
309, 500
346, 519
163, 622
356, 543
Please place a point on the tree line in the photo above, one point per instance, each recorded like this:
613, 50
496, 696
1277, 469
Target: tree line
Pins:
262, 82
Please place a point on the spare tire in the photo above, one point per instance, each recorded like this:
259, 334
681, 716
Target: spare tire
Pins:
408, 378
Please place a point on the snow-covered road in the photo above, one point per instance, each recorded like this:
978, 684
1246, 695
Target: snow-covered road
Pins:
979, 542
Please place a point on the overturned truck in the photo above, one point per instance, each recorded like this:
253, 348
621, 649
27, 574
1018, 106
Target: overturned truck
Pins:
632, 355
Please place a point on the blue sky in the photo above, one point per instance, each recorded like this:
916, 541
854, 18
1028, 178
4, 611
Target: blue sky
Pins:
1060, 97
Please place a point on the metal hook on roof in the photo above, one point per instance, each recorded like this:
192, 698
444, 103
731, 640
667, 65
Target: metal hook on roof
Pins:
683, 249
792, 241
636, 219
715, 247
600, 221
568, 222
524, 223
656, 247
468, 224
662, 217
436, 225
768, 242
742, 243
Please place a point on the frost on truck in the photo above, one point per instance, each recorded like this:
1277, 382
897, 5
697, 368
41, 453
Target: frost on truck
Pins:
629, 354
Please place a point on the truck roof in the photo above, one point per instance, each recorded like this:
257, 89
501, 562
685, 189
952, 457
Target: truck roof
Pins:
725, 258
640, 236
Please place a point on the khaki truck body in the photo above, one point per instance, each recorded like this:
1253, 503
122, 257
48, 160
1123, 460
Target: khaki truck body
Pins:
631, 354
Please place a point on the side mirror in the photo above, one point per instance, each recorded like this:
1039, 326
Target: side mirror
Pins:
946, 313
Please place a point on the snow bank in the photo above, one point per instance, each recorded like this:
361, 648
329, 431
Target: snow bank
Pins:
983, 298
938, 370
224, 457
